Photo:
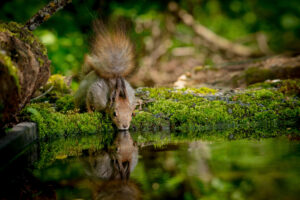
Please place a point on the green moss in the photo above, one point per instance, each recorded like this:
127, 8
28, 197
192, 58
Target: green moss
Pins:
254, 75
12, 70
148, 121
184, 116
264, 85
41, 61
57, 84
58, 81
65, 103
182, 111
289, 87
17, 30
176, 94
53, 123
202, 90
187, 111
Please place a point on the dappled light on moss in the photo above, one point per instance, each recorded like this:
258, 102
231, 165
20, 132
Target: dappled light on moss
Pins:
58, 86
186, 111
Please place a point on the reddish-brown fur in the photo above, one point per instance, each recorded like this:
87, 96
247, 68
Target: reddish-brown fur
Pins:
104, 86
112, 53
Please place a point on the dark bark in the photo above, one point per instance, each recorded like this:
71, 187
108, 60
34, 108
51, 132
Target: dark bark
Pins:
24, 64
24, 68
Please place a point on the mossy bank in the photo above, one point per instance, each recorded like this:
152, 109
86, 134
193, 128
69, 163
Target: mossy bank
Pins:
191, 110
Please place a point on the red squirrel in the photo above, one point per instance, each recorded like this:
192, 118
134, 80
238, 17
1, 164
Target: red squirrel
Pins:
104, 87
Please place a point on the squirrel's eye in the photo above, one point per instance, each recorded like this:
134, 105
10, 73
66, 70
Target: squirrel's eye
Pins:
115, 114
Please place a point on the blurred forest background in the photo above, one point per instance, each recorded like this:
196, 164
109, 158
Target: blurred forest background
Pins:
164, 33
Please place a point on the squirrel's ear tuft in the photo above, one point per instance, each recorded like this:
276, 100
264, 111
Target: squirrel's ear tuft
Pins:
122, 88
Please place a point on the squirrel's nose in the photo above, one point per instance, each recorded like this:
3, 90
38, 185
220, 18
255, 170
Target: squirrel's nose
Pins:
125, 126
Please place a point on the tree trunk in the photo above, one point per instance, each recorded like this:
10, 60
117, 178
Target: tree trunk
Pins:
24, 67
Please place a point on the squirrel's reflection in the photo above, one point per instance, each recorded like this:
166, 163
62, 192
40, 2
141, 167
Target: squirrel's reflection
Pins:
107, 171
114, 165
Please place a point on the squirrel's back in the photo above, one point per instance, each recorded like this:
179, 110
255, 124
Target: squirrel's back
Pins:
111, 54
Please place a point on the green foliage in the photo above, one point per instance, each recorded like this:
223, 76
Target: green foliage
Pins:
66, 52
66, 33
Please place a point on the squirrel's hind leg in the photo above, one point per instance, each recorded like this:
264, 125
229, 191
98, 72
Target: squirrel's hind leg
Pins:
88, 106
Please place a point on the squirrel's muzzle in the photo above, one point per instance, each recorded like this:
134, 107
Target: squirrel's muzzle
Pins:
124, 127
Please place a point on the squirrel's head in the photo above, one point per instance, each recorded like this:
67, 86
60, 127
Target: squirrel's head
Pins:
121, 110
121, 113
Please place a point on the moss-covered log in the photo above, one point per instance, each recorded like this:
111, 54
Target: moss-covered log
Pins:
247, 72
256, 111
24, 67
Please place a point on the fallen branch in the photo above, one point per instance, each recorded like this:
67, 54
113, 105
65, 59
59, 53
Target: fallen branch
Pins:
250, 71
210, 36
45, 13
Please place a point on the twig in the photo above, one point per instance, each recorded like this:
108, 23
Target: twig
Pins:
208, 35
38, 97
45, 13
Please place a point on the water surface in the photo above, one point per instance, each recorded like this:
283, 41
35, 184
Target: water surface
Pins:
126, 169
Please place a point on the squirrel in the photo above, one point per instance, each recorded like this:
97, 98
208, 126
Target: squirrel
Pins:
104, 87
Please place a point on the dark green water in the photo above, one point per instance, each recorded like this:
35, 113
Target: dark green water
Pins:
239, 169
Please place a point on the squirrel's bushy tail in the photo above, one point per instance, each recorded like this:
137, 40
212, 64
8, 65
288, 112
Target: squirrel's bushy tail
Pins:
112, 53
